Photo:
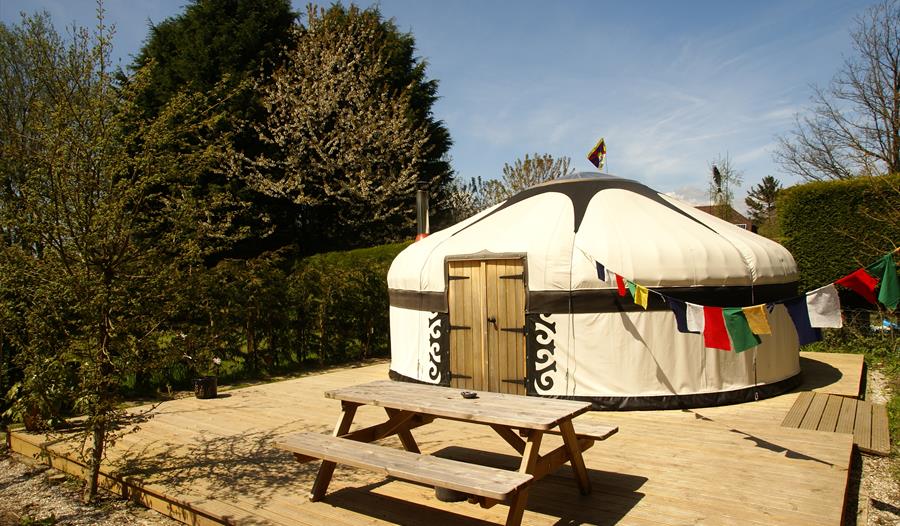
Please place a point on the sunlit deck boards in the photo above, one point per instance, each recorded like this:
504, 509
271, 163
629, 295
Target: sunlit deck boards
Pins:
724, 465
867, 422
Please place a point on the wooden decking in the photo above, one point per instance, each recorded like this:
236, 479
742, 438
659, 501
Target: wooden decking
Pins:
867, 422
214, 461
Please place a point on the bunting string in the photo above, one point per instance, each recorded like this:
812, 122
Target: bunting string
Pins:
738, 328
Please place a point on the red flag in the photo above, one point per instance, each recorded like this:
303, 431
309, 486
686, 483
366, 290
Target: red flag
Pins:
715, 334
620, 283
861, 283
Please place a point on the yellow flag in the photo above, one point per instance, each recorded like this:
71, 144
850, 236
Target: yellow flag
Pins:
758, 319
641, 295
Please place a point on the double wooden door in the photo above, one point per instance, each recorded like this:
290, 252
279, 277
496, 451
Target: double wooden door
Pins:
487, 325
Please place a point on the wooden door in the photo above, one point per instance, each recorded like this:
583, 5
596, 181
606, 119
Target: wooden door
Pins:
487, 325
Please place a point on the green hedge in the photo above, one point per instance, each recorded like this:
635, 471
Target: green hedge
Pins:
340, 304
834, 227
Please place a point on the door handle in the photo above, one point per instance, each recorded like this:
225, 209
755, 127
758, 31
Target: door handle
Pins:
493, 321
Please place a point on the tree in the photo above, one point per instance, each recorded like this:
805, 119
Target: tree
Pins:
761, 200
853, 127
350, 131
470, 198
101, 296
525, 173
223, 46
724, 178
761, 203
467, 199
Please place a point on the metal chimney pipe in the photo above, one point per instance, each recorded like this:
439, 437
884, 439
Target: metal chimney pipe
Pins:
422, 226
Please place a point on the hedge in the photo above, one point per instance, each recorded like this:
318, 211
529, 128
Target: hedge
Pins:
340, 300
834, 227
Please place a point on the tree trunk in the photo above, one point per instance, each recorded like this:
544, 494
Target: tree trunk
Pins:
98, 435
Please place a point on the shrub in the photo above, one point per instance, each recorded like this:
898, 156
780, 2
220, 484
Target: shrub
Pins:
340, 304
834, 227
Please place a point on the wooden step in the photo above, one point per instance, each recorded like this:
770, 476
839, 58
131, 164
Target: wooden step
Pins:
483, 481
867, 422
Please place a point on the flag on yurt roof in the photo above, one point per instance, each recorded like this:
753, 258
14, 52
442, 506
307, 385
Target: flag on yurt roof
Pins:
597, 155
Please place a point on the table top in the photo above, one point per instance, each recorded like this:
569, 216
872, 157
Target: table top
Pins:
517, 411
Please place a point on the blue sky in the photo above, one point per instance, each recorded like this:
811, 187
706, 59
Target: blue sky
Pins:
670, 85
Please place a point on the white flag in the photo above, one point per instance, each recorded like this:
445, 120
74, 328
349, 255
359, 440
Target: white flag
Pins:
824, 307
694, 317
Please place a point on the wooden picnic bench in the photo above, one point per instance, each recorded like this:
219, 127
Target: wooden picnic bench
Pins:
412, 405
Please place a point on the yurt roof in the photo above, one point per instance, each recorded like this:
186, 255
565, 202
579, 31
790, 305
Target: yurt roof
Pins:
564, 227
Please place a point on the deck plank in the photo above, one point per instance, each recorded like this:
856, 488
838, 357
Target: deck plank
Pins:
831, 413
814, 413
795, 416
881, 444
862, 428
847, 418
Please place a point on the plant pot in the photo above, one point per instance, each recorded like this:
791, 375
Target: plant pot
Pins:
206, 387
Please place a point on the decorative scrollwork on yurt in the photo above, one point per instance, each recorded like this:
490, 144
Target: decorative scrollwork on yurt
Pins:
438, 342
540, 349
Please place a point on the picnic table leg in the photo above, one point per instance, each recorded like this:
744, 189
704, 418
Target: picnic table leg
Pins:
406, 438
326, 470
529, 462
575, 456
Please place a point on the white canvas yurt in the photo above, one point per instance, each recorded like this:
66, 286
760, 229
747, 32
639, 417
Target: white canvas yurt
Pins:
511, 300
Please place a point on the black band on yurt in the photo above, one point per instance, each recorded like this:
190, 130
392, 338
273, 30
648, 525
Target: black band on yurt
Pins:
608, 300
418, 300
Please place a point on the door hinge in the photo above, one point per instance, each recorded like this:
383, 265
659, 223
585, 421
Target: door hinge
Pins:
451, 278
514, 276
462, 376
520, 330
460, 328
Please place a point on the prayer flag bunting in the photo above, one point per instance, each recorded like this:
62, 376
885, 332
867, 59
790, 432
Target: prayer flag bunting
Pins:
694, 317
679, 309
800, 316
620, 284
742, 337
641, 296
601, 271
631, 288
757, 319
715, 334
824, 307
889, 285
861, 283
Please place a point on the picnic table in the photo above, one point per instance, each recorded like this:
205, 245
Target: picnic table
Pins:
519, 420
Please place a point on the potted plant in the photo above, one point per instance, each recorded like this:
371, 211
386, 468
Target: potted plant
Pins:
206, 386
206, 370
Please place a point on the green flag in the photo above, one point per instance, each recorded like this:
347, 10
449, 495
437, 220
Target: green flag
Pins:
632, 288
889, 284
742, 338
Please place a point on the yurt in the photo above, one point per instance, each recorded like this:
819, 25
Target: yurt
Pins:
522, 298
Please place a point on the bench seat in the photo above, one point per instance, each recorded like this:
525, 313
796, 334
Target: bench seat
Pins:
590, 430
473, 479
